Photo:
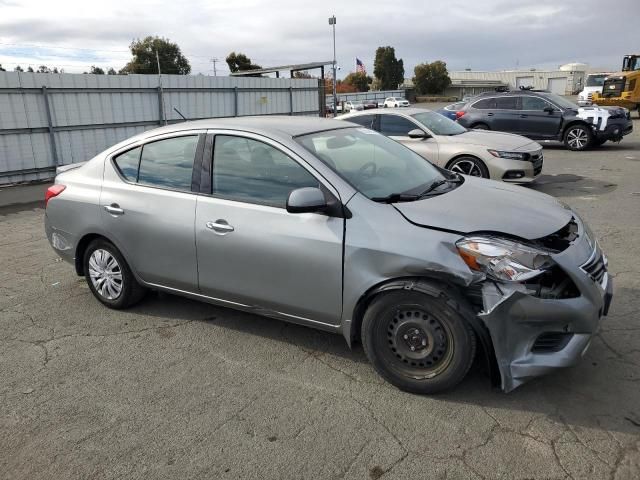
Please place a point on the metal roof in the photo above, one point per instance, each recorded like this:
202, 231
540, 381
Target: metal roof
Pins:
281, 68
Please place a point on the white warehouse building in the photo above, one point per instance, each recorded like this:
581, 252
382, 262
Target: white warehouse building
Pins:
567, 80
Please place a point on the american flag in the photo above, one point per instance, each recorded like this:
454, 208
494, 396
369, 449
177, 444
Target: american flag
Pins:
360, 66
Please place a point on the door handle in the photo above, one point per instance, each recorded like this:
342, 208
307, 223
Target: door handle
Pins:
489, 114
220, 227
114, 209
524, 116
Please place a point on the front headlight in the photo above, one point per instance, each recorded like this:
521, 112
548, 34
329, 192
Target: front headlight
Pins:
509, 155
502, 259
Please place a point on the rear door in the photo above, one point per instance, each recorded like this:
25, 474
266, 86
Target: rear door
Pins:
253, 252
148, 208
398, 128
506, 114
537, 123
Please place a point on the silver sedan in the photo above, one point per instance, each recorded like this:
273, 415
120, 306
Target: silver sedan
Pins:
334, 226
479, 153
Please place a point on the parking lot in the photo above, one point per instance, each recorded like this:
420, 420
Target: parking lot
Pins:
178, 389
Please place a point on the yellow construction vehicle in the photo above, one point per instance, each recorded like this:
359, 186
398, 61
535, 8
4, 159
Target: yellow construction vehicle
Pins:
622, 88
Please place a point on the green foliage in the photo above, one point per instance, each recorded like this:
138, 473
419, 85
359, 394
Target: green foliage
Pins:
2, 69
239, 62
111, 71
388, 70
359, 80
144, 57
431, 77
30, 69
96, 70
43, 69
18, 69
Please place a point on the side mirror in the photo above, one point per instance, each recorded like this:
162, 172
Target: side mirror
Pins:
306, 200
417, 133
549, 110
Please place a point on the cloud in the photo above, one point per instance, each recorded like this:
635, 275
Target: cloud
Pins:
483, 35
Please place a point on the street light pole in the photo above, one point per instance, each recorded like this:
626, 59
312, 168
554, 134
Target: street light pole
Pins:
332, 22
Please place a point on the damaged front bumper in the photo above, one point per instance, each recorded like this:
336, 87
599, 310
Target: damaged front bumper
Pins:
534, 335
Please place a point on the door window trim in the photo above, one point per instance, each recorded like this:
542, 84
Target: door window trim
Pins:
197, 160
208, 159
555, 107
378, 123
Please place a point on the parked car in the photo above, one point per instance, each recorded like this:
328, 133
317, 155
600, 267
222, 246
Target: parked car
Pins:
334, 226
369, 104
593, 84
395, 102
450, 111
329, 108
546, 116
353, 105
495, 155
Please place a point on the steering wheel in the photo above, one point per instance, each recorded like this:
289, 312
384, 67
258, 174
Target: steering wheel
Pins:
368, 166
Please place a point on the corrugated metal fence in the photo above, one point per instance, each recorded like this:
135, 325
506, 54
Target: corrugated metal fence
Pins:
48, 120
360, 96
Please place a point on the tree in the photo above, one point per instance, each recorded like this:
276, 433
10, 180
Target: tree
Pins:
302, 74
29, 69
239, 62
18, 69
96, 70
431, 77
172, 61
2, 69
111, 71
43, 69
387, 69
344, 87
359, 80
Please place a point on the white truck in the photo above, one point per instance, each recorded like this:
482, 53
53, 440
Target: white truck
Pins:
593, 83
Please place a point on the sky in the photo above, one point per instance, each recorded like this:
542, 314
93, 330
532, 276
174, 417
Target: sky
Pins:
477, 34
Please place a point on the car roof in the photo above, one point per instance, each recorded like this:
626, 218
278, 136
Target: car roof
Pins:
407, 111
510, 93
281, 125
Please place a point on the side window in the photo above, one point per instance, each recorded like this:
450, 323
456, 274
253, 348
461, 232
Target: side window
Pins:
128, 162
248, 170
507, 103
169, 162
364, 120
533, 103
485, 104
395, 125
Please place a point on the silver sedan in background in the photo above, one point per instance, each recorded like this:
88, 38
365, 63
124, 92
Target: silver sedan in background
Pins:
479, 153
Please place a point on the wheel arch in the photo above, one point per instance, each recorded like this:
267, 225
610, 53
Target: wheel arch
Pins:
475, 157
573, 123
431, 286
475, 124
82, 245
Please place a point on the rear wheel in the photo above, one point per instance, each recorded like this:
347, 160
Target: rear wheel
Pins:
468, 165
480, 126
417, 342
109, 277
578, 137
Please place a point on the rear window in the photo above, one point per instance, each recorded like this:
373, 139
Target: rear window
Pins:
485, 104
507, 103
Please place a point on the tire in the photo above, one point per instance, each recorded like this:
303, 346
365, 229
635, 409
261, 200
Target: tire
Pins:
102, 258
578, 137
434, 325
468, 165
480, 126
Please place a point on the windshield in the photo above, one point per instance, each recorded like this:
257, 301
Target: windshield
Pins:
595, 80
439, 124
374, 164
561, 101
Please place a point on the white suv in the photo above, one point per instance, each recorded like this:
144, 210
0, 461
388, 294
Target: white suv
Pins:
593, 83
395, 102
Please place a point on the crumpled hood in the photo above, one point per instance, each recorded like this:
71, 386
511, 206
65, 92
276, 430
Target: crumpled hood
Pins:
486, 205
494, 140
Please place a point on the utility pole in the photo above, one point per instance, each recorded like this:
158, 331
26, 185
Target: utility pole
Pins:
164, 114
214, 60
332, 22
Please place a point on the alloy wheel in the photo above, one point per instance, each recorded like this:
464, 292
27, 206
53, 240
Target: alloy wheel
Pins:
105, 274
577, 138
466, 167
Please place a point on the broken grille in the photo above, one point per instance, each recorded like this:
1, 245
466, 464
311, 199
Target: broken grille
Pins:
596, 266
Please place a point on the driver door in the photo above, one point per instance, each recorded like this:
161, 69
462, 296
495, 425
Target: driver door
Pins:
398, 127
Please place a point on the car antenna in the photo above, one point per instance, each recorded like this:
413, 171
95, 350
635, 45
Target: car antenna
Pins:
178, 111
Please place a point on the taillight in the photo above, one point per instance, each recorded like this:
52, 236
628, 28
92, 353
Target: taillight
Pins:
52, 191
459, 114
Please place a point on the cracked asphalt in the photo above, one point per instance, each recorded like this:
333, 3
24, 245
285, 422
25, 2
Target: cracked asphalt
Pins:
178, 389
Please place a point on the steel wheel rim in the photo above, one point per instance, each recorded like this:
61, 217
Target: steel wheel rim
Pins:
105, 274
577, 138
418, 344
466, 167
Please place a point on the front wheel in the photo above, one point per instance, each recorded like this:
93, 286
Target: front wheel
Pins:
480, 126
109, 277
469, 166
578, 137
417, 342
